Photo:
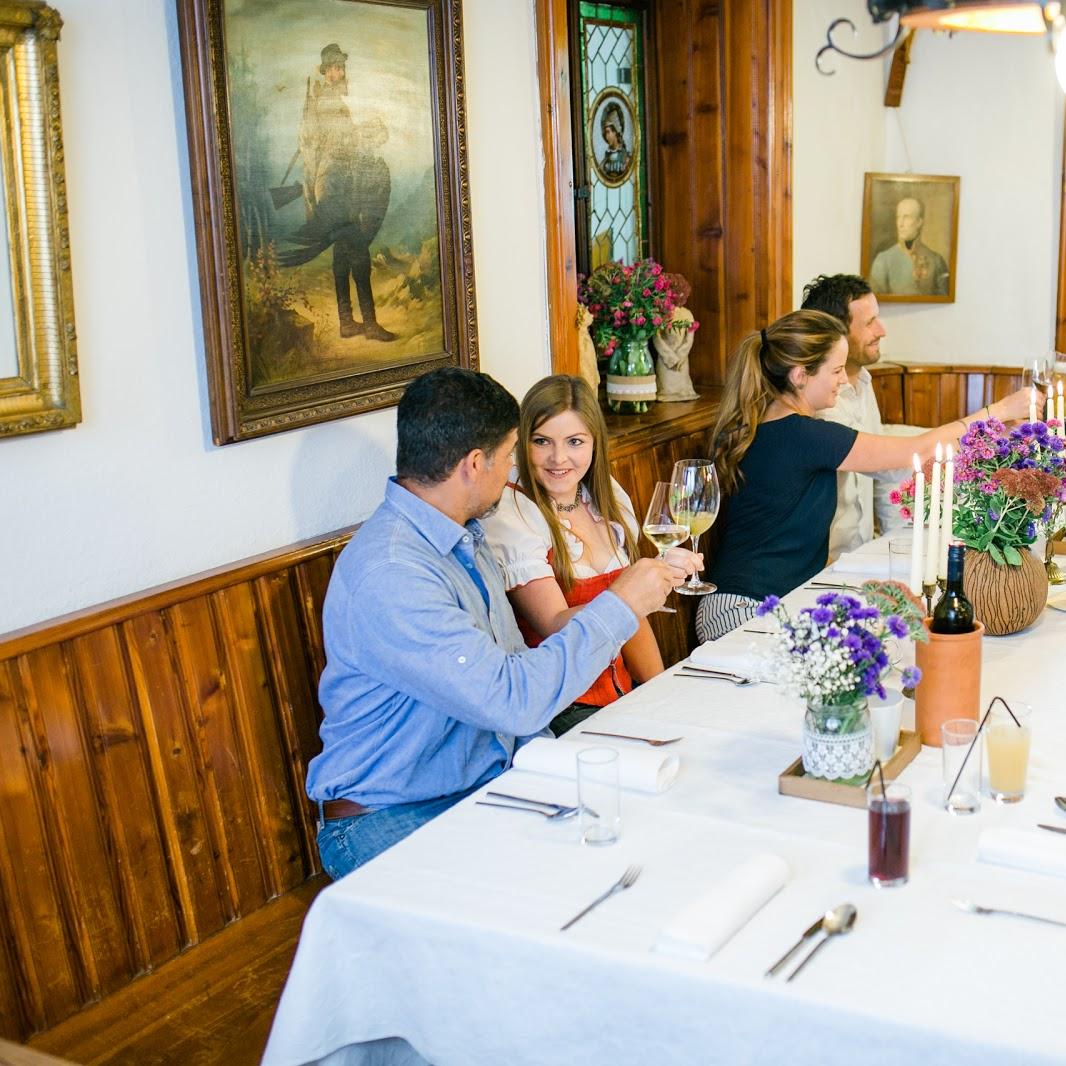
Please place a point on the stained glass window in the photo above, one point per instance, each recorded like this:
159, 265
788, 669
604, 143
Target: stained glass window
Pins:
614, 126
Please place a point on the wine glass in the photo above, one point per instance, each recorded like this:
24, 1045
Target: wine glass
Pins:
694, 500
1039, 372
661, 528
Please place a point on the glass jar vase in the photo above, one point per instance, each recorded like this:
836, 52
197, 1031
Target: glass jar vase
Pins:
838, 741
631, 378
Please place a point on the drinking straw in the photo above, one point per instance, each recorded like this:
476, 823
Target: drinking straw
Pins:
965, 758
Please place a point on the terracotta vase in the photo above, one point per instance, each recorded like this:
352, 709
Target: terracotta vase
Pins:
951, 680
1006, 598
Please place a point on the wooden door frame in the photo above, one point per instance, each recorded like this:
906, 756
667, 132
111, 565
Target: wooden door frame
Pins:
1060, 307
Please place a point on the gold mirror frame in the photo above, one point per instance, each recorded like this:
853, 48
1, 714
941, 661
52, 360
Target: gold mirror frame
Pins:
44, 393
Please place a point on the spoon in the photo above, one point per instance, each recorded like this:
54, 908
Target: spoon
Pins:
1060, 802
836, 922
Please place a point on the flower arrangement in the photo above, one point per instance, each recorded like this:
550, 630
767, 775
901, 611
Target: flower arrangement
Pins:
629, 303
1010, 486
835, 652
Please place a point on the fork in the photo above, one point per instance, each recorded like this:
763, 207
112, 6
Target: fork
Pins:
552, 816
715, 675
624, 882
976, 908
626, 736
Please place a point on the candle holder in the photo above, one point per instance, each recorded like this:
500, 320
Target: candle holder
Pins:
929, 591
1052, 568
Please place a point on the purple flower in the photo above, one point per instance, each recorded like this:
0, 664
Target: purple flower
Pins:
911, 676
822, 615
1030, 530
767, 605
896, 626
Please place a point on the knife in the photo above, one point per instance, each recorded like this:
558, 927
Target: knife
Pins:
811, 930
1051, 828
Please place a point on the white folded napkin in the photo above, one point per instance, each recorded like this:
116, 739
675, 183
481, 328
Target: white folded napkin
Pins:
735, 656
867, 563
699, 930
1023, 851
643, 769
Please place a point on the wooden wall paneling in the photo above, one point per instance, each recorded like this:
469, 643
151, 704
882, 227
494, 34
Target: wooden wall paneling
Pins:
887, 382
921, 398
689, 165
553, 69
171, 752
36, 955
294, 676
222, 757
312, 580
128, 804
265, 758
1060, 307
951, 397
79, 845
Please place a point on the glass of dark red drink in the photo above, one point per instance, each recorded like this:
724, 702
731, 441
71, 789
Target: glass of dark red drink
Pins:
889, 814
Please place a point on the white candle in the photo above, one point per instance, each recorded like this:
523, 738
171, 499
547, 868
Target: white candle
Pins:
932, 550
919, 525
1032, 404
1058, 411
948, 513
1050, 407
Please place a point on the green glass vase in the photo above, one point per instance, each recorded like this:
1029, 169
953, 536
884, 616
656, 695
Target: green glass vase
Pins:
630, 378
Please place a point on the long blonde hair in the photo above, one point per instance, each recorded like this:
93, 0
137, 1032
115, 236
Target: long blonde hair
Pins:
550, 397
758, 375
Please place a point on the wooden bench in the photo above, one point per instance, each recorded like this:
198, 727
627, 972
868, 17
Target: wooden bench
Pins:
157, 851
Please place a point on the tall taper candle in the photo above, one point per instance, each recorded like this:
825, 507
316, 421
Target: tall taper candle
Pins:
1032, 404
919, 527
1050, 406
948, 512
932, 548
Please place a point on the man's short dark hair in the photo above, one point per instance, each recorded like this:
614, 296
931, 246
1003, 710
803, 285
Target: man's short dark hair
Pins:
833, 293
444, 415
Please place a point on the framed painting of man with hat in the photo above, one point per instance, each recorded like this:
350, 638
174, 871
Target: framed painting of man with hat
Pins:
328, 168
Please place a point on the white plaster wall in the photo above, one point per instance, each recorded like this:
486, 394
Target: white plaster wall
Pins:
137, 494
838, 134
984, 107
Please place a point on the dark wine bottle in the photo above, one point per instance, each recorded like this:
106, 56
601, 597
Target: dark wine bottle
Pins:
954, 612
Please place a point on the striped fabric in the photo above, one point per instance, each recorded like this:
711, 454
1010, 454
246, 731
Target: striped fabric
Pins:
719, 612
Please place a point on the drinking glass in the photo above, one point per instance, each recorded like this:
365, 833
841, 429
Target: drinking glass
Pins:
899, 558
659, 524
956, 735
885, 717
694, 501
1007, 746
1039, 372
598, 796
890, 833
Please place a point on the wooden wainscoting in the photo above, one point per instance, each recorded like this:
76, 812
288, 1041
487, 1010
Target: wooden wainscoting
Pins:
644, 449
152, 762
930, 394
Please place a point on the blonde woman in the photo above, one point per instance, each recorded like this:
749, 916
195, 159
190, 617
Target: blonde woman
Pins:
777, 463
565, 529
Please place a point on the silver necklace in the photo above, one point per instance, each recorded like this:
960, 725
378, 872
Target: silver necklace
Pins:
566, 508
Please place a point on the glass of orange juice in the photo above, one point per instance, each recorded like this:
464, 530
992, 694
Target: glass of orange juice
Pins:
1007, 744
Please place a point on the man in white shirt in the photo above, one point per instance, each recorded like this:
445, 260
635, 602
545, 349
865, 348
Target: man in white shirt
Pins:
860, 497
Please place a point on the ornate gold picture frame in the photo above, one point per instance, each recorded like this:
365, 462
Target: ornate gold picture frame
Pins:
332, 206
38, 352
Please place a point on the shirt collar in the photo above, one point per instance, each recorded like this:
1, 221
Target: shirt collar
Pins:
441, 531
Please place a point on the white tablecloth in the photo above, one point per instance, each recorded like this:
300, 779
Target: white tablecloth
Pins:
446, 948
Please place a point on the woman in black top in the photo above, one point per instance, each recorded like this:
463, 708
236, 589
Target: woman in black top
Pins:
777, 462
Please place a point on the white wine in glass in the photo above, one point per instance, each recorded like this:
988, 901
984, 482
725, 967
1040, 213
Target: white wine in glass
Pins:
661, 528
694, 501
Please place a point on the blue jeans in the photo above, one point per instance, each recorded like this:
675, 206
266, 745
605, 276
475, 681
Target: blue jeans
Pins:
345, 844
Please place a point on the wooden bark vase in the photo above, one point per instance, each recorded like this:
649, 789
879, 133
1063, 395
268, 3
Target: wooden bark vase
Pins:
1006, 598
951, 680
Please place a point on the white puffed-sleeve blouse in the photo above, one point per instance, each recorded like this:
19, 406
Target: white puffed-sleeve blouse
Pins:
520, 539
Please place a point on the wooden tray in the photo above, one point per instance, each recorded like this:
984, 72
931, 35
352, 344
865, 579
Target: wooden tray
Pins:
794, 782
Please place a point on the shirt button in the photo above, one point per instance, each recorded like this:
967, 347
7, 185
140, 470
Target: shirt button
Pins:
462, 658
466, 539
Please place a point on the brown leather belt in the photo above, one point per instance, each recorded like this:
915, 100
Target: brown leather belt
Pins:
334, 809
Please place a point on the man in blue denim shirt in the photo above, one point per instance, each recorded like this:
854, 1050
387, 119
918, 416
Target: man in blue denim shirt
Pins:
428, 686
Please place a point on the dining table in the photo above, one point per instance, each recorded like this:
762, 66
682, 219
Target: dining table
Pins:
448, 948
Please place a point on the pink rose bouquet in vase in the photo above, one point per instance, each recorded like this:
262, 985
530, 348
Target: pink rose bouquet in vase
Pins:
629, 305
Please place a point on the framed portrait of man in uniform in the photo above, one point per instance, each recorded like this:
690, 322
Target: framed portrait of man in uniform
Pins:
910, 228
328, 160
